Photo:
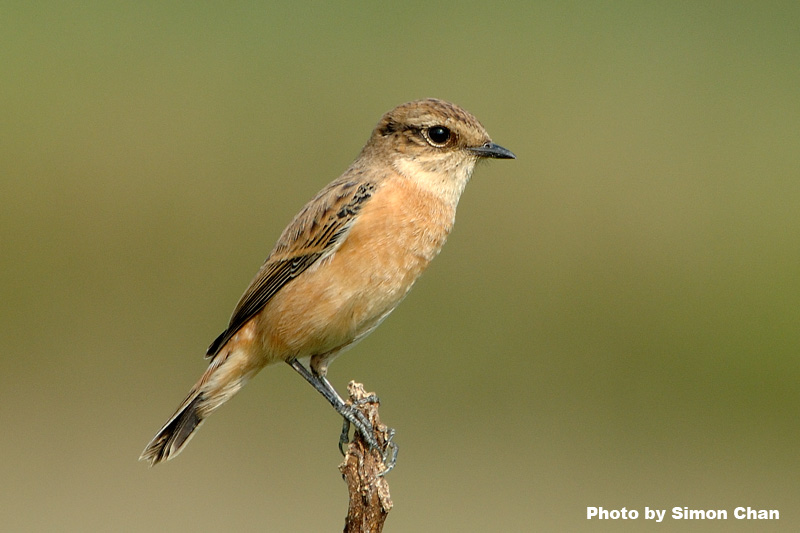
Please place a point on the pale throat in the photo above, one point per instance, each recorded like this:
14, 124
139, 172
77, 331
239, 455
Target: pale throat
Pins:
446, 183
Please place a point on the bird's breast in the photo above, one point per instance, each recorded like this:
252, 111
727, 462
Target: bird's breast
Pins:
396, 236
397, 233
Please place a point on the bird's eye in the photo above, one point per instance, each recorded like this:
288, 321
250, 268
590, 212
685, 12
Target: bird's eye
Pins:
439, 135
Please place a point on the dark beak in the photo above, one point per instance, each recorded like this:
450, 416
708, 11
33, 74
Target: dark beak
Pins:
492, 150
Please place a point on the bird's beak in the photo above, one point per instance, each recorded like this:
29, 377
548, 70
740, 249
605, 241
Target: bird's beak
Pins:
492, 150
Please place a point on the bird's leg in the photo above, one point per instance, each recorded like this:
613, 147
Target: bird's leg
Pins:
350, 414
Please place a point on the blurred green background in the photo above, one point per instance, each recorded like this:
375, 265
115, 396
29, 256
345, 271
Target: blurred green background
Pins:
614, 321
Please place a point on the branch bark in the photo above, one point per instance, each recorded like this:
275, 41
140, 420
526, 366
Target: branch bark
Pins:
362, 469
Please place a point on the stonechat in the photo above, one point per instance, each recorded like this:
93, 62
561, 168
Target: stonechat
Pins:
344, 263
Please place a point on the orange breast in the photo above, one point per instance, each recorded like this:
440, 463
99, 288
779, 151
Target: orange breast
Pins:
398, 232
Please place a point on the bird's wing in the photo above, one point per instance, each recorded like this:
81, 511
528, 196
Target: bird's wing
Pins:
315, 233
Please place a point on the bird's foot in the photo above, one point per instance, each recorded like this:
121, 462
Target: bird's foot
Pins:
355, 416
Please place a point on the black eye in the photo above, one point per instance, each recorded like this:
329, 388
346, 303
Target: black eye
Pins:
438, 135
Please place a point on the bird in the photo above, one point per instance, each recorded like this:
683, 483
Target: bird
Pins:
345, 261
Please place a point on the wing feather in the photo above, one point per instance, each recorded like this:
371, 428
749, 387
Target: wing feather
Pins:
315, 233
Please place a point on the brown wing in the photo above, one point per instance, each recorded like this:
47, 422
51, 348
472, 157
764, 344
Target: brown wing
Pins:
316, 232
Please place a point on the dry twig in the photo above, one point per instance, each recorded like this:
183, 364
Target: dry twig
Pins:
363, 470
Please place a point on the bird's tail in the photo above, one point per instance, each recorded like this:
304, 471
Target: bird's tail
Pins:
217, 385
177, 432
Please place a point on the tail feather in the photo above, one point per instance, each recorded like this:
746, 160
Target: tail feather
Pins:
227, 373
176, 433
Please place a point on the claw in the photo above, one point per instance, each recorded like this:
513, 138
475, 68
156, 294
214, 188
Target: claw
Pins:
389, 449
344, 438
389, 454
